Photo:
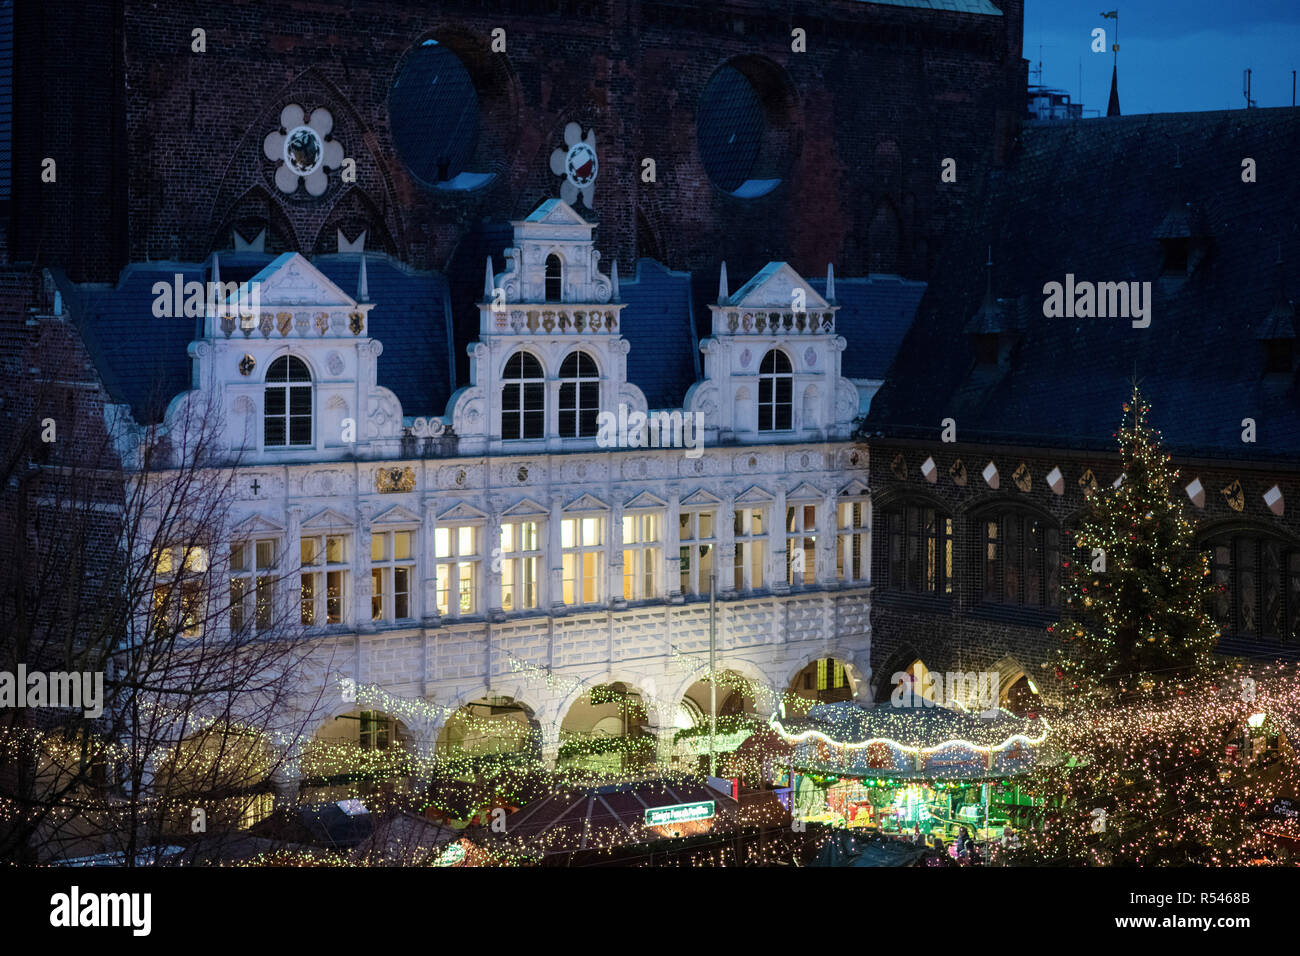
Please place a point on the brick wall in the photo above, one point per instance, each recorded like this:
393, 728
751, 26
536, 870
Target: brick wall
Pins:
163, 145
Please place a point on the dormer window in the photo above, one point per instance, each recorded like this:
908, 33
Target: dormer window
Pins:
579, 396
775, 393
523, 398
288, 411
554, 279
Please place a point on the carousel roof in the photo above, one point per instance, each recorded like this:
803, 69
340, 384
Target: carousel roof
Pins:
914, 728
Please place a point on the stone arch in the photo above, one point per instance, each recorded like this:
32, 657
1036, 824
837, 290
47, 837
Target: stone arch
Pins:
624, 706
254, 210
746, 669
353, 212
899, 661
856, 680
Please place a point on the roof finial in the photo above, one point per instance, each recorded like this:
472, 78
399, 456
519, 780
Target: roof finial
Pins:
216, 267
363, 288
830, 282
613, 282
489, 281
723, 294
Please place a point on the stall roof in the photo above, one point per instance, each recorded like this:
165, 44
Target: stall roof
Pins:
849, 722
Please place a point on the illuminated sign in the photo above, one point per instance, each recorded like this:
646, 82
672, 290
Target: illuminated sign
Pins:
680, 813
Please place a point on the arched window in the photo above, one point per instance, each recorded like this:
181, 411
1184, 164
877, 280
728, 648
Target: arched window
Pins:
1021, 555
554, 279
288, 413
914, 550
523, 398
1256, 581
775, 393
579, 396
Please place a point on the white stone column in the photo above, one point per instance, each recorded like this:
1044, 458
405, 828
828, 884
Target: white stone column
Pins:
672, 543
828, 541
289, 593
491, 561
555, 557
361, 570
778, 545
429, 563
614, 558
725, 554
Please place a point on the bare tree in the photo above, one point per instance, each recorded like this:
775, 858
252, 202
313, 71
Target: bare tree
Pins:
121, 558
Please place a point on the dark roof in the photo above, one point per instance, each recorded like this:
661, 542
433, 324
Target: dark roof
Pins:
664, 359
875, 313
144, 363
1087, 198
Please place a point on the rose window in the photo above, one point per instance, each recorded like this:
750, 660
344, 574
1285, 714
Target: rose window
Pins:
303, 150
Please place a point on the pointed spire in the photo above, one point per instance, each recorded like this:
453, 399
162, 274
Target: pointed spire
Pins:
489, 281
1112, 108
988, 278
216, 267
613, 283
723, 294
830, 282
363, 288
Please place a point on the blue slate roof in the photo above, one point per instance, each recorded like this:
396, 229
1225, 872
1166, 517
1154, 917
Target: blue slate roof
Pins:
665, 357
1092, 198
144, 362
875, 314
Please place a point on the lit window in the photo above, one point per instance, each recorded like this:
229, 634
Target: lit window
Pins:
750, 547
523, 398
851, 548
288, 411
582, 544
376, 730
801, 545
456, 549
323, 581
178, 602
695, 538
252, 583
775, 393
392, 569
521, 557
642, 555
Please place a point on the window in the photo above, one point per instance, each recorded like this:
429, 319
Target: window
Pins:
554, 279
523, 398
986, 348
288, 412
1279, 356
323, 580
1256, 582
582, 543
1022, 563
433, 114
456, 549
801, 545
695, 538
252, 583
579, 396
178, 590
521, 558
642, 555
392, 568
775, 393
376, 730
748, 566
916, 550
851, 548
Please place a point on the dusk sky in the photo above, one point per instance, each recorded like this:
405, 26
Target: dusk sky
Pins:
1175, 55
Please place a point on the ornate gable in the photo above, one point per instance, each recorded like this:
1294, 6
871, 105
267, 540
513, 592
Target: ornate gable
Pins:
462, 511
774, 286
754, 495
699, 498
328, 520
395, 515
526, 508
645, 500
586, 503
292, 280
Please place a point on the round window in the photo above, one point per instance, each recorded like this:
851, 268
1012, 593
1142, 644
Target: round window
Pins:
303, 150
434, 114
745, 128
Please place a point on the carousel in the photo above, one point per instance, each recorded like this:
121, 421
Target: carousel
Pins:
931, 770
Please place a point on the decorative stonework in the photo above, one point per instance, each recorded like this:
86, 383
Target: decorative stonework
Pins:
303, 150
577, 164
394, 480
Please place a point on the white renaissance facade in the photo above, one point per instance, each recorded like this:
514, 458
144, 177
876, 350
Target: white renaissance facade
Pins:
526, 558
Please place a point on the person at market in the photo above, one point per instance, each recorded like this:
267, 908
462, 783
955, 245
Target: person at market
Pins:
973, 849
963, 837
916, 834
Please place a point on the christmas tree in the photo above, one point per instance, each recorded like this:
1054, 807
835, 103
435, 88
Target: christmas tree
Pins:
1137, 591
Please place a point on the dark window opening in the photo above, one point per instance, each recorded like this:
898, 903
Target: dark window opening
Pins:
554, 279
986, 348
1021, 556
1255, 586
523, 398
915, 551
579, 396
775, 393
287, 415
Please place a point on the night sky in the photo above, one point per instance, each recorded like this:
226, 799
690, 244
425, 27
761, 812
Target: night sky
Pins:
1175, 55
